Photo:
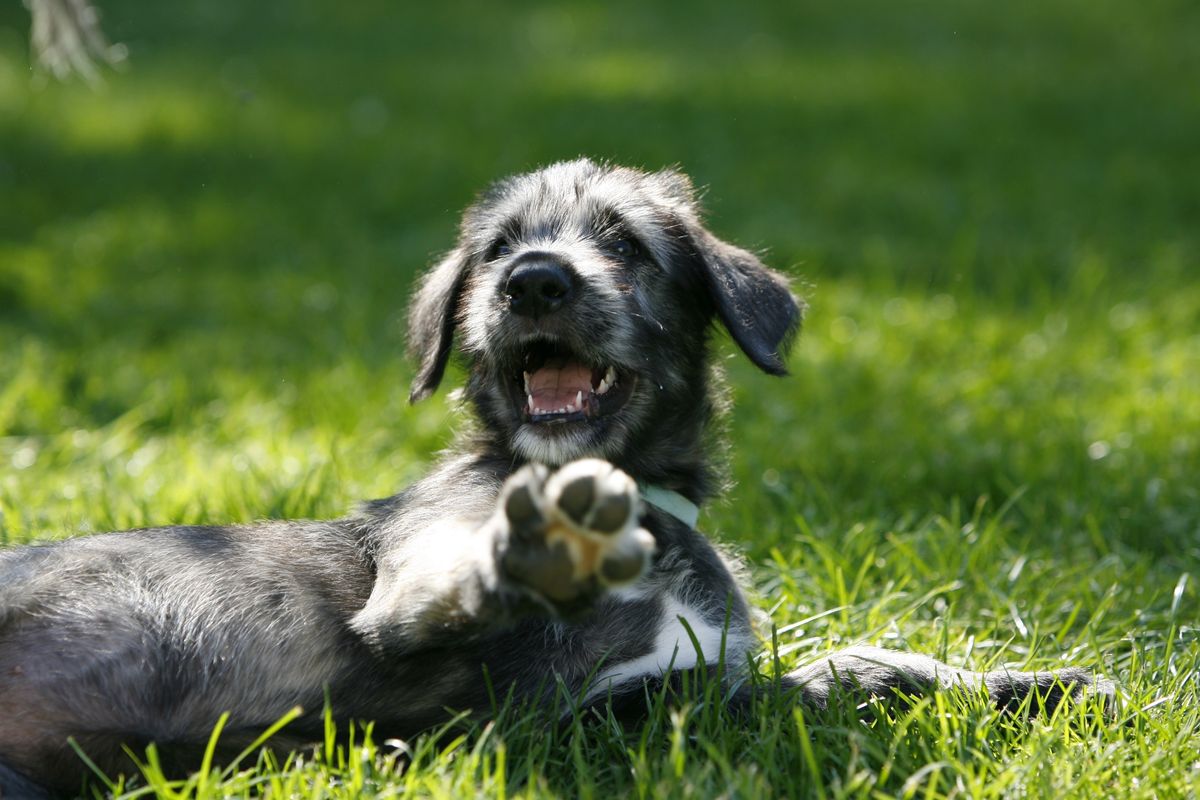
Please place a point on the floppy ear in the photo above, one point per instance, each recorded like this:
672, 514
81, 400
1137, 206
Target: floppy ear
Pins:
753, 302
431, 319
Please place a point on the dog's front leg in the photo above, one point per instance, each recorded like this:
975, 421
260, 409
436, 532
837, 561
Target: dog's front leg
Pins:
878, 672
553, 543
571, 535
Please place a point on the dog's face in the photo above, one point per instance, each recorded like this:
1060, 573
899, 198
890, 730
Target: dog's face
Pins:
583, 296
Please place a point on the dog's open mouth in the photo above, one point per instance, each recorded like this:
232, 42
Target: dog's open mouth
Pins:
559, 386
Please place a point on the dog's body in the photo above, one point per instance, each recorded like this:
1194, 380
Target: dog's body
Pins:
582, 296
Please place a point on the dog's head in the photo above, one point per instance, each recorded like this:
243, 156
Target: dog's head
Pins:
583, 295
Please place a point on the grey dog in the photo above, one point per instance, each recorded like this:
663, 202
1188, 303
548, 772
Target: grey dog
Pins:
556, 544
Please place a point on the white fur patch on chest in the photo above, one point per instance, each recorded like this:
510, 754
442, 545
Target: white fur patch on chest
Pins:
673, 649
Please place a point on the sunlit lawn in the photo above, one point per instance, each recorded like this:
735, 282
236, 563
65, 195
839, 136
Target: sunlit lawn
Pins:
988, 450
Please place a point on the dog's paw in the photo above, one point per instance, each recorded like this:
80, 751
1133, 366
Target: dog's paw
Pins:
574, 533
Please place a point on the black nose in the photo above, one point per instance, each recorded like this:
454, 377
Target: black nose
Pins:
537, 288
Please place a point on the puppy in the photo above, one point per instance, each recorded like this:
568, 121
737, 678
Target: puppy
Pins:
555, 543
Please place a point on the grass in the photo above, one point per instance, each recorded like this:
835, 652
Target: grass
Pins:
988, 449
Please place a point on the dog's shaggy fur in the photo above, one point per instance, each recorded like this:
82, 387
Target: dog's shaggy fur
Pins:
583, 297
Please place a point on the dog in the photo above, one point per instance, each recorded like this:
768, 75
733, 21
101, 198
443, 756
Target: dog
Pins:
555, 545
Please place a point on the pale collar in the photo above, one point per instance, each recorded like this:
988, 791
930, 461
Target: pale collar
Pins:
672, 502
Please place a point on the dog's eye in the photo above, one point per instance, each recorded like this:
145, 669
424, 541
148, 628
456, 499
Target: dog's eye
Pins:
499, 250
625, 248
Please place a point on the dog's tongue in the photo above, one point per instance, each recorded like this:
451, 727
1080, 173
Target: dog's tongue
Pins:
557, 384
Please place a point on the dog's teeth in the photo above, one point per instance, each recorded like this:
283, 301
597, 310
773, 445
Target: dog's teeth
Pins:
578, 400
527, 377
606, 383
529, 399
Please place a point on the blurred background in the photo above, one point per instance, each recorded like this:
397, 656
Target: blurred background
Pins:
994, 211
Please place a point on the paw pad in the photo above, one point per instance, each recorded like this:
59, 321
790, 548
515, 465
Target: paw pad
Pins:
576, 497
594, 495
575, 532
